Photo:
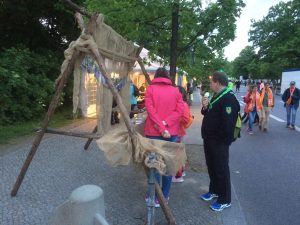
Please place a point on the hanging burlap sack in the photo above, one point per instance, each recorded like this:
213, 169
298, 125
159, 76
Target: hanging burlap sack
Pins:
118, 149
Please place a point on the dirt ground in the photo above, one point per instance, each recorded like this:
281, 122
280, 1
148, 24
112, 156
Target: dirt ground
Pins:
196, 158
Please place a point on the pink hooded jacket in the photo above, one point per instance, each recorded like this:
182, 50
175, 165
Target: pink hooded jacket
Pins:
163, 103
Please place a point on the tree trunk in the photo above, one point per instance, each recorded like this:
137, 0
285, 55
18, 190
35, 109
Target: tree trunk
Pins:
174, 38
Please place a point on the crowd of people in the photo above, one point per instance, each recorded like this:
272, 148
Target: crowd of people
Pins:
168, 117
260, 101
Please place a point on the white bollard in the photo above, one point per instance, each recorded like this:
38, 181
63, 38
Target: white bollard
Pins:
84, 207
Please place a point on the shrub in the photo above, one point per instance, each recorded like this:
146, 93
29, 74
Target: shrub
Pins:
25, 87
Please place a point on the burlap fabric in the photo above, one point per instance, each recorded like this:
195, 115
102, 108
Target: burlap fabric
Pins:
119, 56
118, 150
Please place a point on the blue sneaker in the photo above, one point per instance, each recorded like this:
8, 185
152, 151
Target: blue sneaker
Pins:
208, 196
219, 207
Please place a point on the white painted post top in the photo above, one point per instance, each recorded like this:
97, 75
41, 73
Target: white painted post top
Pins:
86, 193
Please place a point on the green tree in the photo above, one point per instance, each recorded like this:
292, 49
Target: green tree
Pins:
25, 88
276, 37
245, 64
36, 24
174, 30
34, 35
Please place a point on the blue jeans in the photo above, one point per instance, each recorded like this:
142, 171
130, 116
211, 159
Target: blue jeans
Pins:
166, 180
291, 111
252, 118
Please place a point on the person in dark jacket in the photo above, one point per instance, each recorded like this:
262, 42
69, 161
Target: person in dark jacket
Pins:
291, 97
220, 116
237, 86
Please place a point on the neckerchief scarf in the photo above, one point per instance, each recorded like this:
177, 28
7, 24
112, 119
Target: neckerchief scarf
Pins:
289, 101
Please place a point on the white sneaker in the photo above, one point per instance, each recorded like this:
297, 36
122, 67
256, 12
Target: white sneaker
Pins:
156, 202
177, 180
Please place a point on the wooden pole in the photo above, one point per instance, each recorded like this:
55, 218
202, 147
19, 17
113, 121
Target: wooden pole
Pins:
100, 61
72, 134
76, 8
144, 71
89, 141
55, 99
164, 205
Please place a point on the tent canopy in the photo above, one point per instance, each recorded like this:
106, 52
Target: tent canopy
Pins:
151, 65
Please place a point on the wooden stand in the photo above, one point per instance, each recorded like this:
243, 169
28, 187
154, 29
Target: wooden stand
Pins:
54, 102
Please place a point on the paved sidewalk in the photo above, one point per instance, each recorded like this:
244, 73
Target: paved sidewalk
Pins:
61, 165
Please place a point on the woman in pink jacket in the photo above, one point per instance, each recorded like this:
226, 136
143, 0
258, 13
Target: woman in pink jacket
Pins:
164, 106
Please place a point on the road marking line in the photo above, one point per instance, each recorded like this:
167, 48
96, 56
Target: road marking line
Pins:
276, 118
283, 121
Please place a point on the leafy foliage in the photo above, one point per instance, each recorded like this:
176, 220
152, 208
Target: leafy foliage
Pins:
243, 64
25, 87
33, 37
36, 24
276, 39
203, 31
35, 33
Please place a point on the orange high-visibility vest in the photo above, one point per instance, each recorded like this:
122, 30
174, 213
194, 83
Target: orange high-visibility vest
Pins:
255, 100
270, 97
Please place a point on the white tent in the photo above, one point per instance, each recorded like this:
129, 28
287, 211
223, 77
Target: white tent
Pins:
151, 66
89, 80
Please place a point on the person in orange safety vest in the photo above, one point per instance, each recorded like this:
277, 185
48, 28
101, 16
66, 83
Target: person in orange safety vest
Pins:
253, 105
267, 101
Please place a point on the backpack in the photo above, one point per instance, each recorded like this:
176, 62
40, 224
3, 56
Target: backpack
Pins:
136, 91
191, 119
237, 129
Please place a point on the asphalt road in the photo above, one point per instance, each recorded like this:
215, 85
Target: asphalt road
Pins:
266, 171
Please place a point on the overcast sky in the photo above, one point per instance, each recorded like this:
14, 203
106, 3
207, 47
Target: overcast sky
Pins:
254, 9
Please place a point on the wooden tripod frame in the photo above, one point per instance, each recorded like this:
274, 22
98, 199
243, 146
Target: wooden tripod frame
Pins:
55, 99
